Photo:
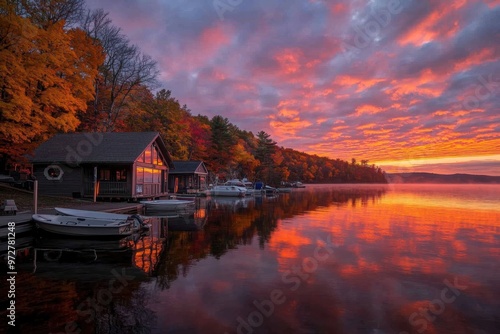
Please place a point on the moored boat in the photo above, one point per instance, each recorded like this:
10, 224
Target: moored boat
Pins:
227, 190
80, 226
138, 220
249, 187
167, 204
268, 190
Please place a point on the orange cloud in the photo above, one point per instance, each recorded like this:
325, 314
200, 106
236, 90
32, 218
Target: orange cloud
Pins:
289, 60
360, 83
475, 58
288, 128
427, 84
287, 122
428, 29
368, 109
366, 126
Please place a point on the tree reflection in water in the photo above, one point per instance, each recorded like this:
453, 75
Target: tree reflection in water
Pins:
77, 293
234, 221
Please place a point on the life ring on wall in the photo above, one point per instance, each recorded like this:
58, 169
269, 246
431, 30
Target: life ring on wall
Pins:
53, 172
53, 255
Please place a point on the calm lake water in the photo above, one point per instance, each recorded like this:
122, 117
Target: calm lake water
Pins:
324, 259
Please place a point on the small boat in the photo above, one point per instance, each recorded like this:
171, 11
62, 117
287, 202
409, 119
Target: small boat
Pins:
223, 190
91, 214
80, 226
236, 182
268, 190
244, 184
138, 220
167, 204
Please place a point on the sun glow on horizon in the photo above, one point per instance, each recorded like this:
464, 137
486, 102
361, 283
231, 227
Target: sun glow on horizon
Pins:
444, 165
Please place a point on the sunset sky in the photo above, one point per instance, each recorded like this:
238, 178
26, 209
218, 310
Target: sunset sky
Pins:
410, 85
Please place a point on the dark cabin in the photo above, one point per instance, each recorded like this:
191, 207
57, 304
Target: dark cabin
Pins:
188, 177
127, 165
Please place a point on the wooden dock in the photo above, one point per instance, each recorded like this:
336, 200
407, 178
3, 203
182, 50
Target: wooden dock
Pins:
23, 221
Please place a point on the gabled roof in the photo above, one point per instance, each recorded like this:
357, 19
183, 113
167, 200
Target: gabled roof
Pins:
189, 167
98, 147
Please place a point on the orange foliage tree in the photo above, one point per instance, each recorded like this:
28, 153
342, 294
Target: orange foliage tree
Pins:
47, 76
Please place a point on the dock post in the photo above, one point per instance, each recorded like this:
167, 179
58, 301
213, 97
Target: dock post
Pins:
96, 185
35, 195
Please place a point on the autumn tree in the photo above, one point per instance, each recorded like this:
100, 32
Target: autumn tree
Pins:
221, 140
47, 76
199, 128
265, 153
124, 71
162, 113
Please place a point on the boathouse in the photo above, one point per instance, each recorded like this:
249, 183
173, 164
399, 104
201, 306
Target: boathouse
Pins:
127, 165
188, 177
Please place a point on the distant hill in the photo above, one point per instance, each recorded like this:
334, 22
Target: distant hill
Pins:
440, 178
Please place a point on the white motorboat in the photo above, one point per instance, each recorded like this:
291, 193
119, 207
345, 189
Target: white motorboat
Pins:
244, 184
227, 190
138, 220
80, 226
166, 204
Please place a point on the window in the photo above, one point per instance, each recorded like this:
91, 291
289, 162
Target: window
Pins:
121, 175
147, 155
140, 175
148, 175
155, 156
160, 161
104, 175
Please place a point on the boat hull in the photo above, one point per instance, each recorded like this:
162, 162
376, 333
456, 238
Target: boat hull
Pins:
167, 204
230, 191
91, 214
78, 226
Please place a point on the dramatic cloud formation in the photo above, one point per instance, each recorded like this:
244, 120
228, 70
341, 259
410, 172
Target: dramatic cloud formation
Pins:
391, 81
